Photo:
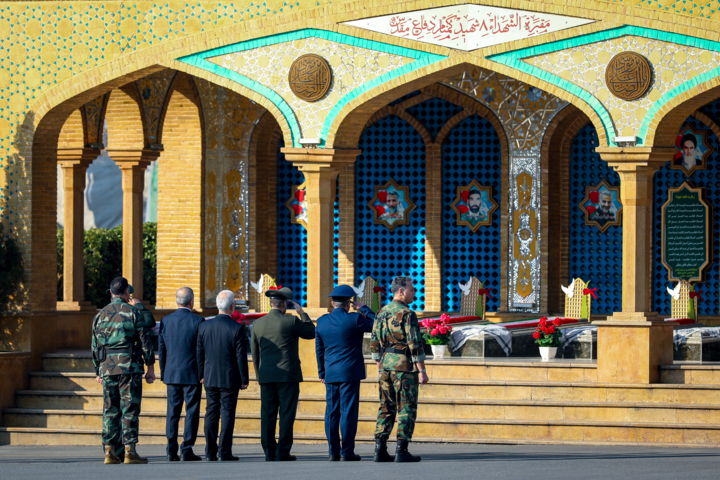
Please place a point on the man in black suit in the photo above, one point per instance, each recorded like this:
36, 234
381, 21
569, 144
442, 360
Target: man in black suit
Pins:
178, 367
223, 369
277, 369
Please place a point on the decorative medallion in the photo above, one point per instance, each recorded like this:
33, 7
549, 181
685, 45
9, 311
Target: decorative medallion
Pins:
474, 205
310, 77
602, 206
693, 150
297, 204
391, 205
628, 75
468, 27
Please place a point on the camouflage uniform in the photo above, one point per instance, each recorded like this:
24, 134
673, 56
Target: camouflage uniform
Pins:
121, 326
396, 326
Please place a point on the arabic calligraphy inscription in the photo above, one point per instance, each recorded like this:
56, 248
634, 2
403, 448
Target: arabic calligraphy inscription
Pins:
310, 77
628, 75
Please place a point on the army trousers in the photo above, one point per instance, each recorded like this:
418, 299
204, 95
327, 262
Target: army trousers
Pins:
398, 399
122, 395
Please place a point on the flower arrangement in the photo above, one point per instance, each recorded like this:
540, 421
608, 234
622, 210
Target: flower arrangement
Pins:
437, 331
240, 318
547, 334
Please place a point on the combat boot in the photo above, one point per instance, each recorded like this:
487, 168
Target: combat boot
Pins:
110, 457
381, 453
131, 456
401, 453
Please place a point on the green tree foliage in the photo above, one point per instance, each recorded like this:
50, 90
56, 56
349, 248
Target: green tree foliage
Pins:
11, 272
103, 262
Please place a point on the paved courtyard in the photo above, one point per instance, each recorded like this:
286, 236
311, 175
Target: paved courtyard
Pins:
439, 461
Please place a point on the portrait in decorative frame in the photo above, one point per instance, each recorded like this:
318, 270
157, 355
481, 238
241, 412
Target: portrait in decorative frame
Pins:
693, 150
297, 204
602, 206
391, 205
474, 206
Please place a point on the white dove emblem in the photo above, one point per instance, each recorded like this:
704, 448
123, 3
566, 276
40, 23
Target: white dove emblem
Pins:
465, 287
675, 294
569, 290
360, 290
259, 285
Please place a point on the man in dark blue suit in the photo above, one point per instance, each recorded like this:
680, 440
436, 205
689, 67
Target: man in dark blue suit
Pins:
341, 367
178, 367
223, 369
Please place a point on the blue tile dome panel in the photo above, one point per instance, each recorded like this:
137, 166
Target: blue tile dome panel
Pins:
434, 113
291, 237
594, 256
471, 151
667, 178
391, 148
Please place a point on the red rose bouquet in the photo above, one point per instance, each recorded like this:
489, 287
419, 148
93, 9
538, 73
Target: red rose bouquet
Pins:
437, 331
548, 334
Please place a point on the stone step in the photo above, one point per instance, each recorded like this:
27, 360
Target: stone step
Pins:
450, 369
308, 427
689, 374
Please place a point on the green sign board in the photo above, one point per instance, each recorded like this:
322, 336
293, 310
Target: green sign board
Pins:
685, 234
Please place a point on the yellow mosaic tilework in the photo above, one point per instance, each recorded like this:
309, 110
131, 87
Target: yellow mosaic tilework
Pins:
351, 66
585, 66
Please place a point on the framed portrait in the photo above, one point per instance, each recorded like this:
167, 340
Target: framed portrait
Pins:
693, 150
391, 205
297, 204
602, 206
474, 205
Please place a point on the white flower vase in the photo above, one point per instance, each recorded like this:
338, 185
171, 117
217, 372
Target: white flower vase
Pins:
547, 353
438, 351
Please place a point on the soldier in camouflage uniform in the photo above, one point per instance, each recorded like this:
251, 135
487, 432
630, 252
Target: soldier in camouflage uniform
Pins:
121, 344
397, 348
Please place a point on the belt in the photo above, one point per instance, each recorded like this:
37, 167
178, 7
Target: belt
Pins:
395, 350
120, 350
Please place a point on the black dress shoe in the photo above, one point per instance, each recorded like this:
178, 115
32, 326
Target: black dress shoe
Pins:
211, 458
229, 458
190, 457
173, 458
269, 459
334, 458
351, 458
286, 458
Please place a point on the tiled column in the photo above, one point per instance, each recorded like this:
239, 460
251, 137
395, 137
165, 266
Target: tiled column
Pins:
74, 163
133, 163
633, 343
320, 168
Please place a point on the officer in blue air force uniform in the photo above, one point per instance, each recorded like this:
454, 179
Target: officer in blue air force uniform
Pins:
341, 367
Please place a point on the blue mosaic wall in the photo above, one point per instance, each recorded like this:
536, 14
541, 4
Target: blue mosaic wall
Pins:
391, 149
434, 113
470, 152
292, 237
666, 178
594, 256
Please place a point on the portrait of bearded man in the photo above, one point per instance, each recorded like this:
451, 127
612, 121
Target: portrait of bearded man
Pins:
603, 213
477, 211
393, 209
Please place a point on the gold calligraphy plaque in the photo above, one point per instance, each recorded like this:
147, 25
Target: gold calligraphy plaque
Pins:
628, 75
310, 77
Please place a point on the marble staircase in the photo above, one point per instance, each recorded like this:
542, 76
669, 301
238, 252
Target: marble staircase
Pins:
512, 401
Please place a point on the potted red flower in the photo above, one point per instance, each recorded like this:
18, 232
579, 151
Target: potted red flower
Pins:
437, 334
547, 336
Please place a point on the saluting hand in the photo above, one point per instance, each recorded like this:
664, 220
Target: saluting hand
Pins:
357, 305
297, 307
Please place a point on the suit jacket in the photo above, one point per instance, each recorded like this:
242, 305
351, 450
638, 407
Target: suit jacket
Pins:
338, 344
274, 346
177, 344
222, 353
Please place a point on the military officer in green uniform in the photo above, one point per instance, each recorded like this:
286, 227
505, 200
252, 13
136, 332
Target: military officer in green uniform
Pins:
397, 349
276, 359
121, 343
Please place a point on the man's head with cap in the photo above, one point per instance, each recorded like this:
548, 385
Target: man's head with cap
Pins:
342, 296
279, 297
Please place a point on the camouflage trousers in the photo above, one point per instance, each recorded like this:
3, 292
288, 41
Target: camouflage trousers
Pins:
121, 409
398, 399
